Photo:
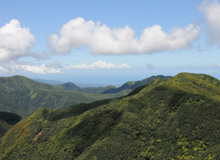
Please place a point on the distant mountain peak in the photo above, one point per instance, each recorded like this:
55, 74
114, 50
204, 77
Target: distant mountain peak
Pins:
69, 86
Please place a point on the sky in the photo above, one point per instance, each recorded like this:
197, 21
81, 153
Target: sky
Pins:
108, 42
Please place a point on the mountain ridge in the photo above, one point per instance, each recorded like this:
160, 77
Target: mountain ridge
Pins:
129, 86
135, 84
174, 118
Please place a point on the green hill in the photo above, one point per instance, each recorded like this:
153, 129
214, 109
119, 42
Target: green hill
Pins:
23, 96
176, 118
69, 86
135, 84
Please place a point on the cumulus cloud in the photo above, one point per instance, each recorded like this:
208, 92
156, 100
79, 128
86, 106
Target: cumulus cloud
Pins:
211, 11
99, 65
41, 69
104, 40
15, 41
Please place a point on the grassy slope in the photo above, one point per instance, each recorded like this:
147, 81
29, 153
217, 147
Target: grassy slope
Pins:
168, 119
23, 96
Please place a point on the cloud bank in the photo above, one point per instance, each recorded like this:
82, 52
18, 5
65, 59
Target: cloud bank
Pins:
15, 67
211, 11
119, 41
55, 68
99, 65
15, 41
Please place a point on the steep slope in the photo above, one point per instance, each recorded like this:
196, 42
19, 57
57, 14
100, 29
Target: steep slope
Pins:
178, 118
23, 96
135, 84
7, 120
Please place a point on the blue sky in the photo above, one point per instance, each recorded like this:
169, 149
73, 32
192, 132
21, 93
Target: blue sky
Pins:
108, 42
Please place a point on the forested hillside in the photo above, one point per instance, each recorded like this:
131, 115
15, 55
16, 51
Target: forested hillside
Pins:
177, 118
23, 96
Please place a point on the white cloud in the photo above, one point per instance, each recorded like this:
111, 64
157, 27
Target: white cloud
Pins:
15, 67
54, 68
104, 40
99, 65
15, 41
211, 11
41, 69
3, 70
